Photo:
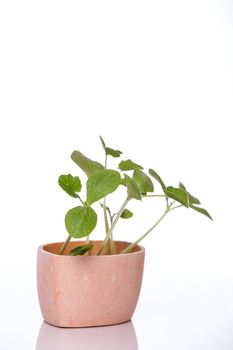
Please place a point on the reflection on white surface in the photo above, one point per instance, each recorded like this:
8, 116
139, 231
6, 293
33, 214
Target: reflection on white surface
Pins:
117, 337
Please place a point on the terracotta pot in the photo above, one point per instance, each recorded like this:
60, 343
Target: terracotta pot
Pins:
85, 291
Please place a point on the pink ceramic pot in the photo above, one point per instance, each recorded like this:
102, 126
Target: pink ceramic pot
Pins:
85, 291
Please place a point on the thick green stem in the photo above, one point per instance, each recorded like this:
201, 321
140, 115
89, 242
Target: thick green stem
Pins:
110, 231
65, 244
131, 246
105, 162
105, 216
87, 241
110, 242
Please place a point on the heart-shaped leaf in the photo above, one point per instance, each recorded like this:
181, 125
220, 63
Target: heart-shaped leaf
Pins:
126, 214
132, 188
80, 221
129, 165
102, 183
109, 151
143, 181
191, 198
158, 178
178, 194
70, 184
202, 211
87, 165
81, 249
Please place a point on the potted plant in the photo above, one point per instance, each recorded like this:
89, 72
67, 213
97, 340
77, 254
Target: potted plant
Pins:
92, 283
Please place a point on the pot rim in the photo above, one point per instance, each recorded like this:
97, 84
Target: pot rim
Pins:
41, 249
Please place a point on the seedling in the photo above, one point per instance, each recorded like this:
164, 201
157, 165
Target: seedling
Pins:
81, 220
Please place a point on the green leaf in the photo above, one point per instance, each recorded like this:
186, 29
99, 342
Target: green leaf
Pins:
109, 151
191, 198
132, 188
182, 186
87, 165
202, 211
143, 181
102, 183
182, 196
178, 194
103, 143
80, 221
158, 178
70, 184
129, 165
81, 249
113, 152
126, 214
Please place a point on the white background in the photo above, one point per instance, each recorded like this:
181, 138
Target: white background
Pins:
154, 78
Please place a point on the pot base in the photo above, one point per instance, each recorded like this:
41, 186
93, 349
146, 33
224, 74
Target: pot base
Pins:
86, 326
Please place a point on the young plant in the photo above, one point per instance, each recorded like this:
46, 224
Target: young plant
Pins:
81, 220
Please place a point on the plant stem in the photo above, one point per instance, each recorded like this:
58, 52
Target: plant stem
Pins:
105, 162
110, 214
110, 241
105, 216
110, 245
87, 241
109, 233
154, 195
158, 195
132, 245
65, 244
178, 206
80, 199
113, 217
